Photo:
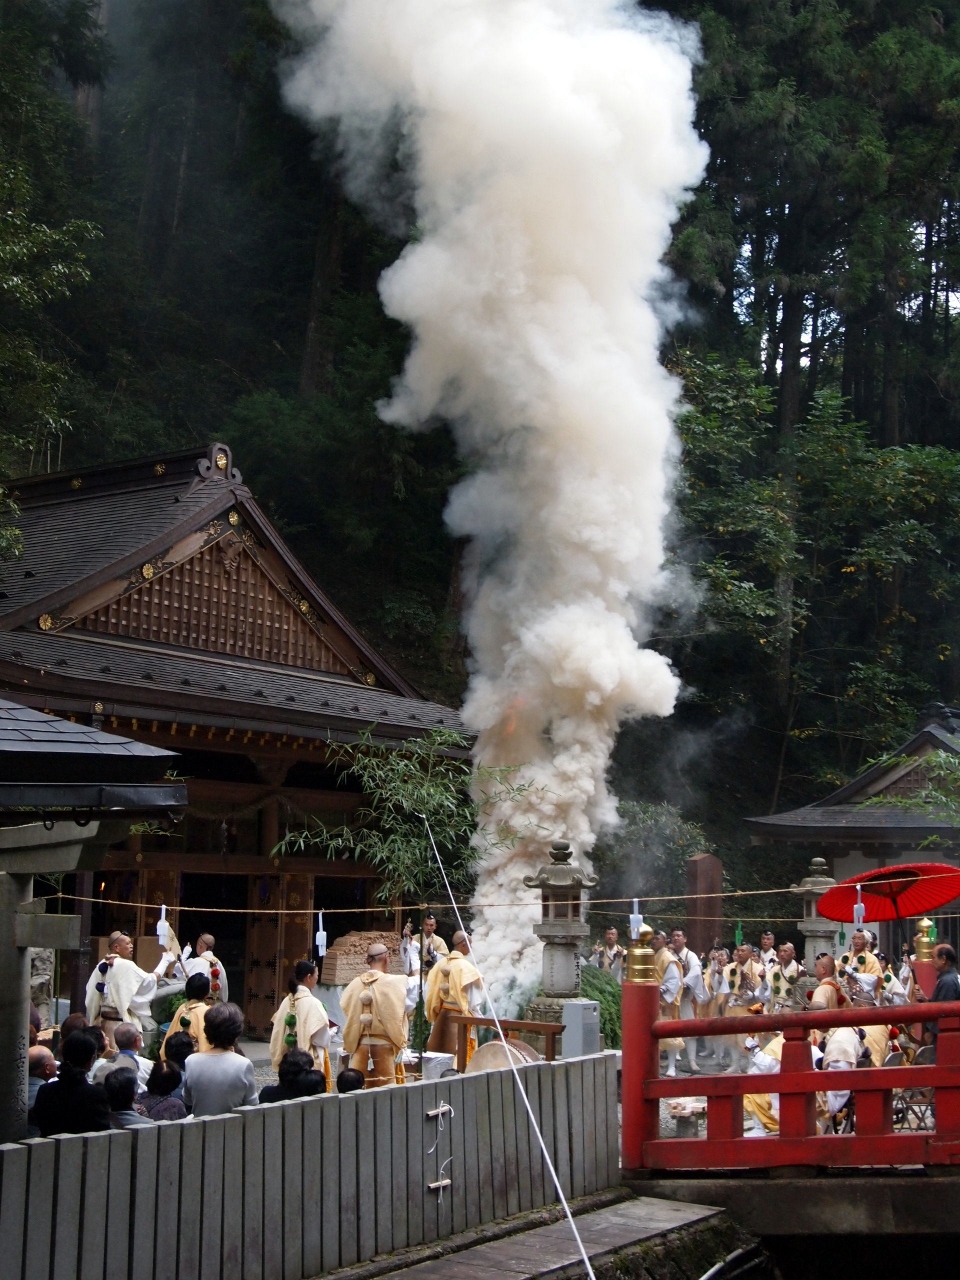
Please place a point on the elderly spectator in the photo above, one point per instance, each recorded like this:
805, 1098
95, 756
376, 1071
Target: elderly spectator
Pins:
948, 985
297, 1078
120, 1087
71, 1104
220, 1078
41, 1067
159, 1102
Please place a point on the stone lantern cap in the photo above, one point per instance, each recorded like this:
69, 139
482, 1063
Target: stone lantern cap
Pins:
562, 872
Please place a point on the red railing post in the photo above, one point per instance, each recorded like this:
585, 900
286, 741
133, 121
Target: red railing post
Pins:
640, 1007
946, 1100
798, 1111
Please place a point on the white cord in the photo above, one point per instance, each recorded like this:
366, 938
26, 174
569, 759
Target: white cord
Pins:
513, 1066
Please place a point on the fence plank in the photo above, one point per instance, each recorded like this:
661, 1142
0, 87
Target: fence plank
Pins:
398, 1144
66, 1227
545, 1073
96, 1171
613, 1123
313, 1168
273, 1193
574, 1071
560, 1076
531, 1080
382, 1168
588, 1114
252, 1192
349, 1237
414, 1110
233, 1180
41, 1192
509, 1102
331, 1183
146, 1145
445, 1163
524, 1188
456, 1169
597, 1119
498, 1171
293, 1201
211, 1196
191, 1203
428, 1100
481, 1110
168, 1194
120, 1148
366, 1177
14, 1160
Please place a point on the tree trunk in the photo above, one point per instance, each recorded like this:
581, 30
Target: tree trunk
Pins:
790, 371
813, 364
892, 369
317, 364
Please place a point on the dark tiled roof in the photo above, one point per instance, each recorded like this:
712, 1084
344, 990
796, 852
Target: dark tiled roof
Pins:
873, 823
67, 540
36, 747
125, 672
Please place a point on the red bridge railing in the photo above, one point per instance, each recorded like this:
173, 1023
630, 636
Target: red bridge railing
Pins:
798, 1142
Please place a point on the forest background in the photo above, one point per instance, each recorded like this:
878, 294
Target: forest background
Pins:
178, 264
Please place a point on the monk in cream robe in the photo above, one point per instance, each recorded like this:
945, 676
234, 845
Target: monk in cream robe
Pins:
669, 974
862, 964
377, 1007
310, 1028
454, 986
120, 991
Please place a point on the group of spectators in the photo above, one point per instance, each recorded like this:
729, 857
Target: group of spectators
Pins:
92, 1089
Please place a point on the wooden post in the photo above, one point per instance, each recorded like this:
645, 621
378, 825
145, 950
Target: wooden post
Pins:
947, 1101
704, 904
798, 1111
640, 1007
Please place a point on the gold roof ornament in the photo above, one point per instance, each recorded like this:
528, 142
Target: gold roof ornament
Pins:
234, 518
147, 571
221, 461
45, 622
159, 468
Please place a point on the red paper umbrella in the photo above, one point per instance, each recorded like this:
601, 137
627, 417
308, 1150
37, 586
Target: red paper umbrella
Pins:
893, 893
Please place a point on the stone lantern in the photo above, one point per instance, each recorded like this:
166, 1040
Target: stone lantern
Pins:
819, 933
562, 929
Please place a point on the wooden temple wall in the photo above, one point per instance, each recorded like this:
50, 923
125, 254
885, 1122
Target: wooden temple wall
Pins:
294, 1189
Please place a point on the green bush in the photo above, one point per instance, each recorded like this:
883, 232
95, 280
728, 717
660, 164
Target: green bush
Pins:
605, 989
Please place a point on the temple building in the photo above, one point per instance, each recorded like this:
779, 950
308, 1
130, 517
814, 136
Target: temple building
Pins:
155, 599
860, 827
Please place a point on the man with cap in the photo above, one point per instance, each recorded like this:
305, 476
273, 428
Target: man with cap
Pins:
202, 960
119, 991
454, 986
377, 1007
428, 943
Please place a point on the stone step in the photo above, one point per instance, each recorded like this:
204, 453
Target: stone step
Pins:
552, 1250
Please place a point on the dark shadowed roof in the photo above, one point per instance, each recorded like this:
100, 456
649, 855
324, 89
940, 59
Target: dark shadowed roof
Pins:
50, 765
91, 536
844, 816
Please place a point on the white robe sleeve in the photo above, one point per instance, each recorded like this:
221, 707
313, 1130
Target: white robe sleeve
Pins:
410, 956
475, 998
670, 986
693, 982
413, 992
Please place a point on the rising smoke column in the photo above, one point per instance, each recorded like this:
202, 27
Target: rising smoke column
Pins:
549, 145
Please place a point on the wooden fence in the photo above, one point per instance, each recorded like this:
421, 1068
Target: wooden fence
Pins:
291, 1190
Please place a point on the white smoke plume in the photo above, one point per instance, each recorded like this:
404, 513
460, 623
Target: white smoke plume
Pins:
549, 145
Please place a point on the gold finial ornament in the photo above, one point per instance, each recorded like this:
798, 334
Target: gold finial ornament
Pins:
924, 944
234, 517
45, 622
640, 957
147, 571
98, 708
221, 461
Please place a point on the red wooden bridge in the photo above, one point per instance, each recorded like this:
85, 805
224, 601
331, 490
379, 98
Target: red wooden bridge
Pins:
875, 1141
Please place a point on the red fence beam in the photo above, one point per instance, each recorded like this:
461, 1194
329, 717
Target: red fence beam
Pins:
818, 1020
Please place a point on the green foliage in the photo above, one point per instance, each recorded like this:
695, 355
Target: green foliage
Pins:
429, 778
937, 792
605, 989
645, 857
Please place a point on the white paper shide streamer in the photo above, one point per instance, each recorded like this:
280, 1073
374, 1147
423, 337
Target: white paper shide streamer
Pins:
549, 145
